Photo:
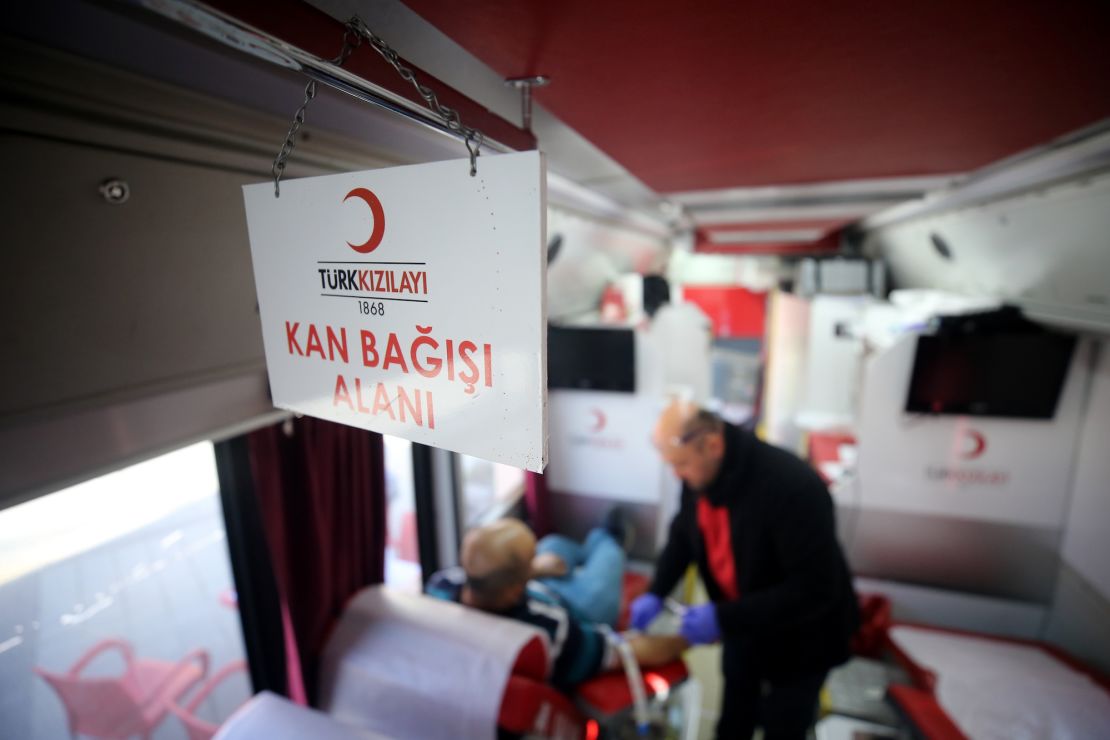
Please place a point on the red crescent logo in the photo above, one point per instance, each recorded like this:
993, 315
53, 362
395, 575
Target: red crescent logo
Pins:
599, 420
979, 445
377, 212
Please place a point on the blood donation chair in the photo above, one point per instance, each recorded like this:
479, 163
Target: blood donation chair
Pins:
413, 666
966, 684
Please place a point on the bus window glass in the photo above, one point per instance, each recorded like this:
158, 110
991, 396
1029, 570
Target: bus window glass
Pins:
402, 552
488, 489
116, 595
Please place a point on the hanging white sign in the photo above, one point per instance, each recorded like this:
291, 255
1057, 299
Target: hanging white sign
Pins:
411, 301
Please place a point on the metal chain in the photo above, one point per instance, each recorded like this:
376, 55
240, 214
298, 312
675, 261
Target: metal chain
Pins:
353, 35
450, 116
291, 138
351, 41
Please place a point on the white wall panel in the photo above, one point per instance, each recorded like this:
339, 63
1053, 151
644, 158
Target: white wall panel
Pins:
932, 465
1087, 541
1048, 250
833, 367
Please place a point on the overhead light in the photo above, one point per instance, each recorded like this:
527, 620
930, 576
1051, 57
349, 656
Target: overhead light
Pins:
941, 246
784, 212
765, 236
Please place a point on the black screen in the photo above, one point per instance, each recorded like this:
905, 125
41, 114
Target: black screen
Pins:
591, 358
992, 374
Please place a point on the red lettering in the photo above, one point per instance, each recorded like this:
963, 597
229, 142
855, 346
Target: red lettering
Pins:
381, 402
404, 401
369, 354
393, 354
291, 339
362, 284
487, 352
341, 393
362, 408
470, 375
337, 344
314, 343
434, 363
431, 410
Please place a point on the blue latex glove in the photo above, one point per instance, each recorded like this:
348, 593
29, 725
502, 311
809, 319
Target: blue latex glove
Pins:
644, 609
699, 625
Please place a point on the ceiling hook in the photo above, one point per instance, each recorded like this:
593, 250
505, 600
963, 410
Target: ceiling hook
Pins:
472, 145
525, 85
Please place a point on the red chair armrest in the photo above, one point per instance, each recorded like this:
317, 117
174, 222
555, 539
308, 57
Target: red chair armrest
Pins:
923, 711
609, 693
532, 707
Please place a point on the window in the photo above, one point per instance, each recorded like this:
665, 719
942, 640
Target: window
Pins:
402, 552
488, 489
129, 574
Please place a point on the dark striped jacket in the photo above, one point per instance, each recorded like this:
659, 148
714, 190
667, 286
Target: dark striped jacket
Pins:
578, 647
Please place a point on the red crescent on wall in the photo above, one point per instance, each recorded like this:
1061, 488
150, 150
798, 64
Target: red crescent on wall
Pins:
599, 420
980, 445
379, 220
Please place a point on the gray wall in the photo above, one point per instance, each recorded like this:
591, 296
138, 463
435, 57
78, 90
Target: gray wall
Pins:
1079, 620
128, 329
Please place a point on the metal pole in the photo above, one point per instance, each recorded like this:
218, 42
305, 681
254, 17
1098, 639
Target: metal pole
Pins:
229, 30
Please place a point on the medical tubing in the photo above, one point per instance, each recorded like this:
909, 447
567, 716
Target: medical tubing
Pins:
635, 679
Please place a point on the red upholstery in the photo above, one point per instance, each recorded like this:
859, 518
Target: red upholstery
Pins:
610, 693
926, 715
871, 638
532, 661
533, 707
530, 705
919, 702
632, 586
922, 675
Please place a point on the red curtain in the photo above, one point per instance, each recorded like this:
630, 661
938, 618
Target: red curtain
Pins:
537, 503
321, 491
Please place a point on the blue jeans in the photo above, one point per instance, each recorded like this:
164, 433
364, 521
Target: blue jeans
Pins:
595, 571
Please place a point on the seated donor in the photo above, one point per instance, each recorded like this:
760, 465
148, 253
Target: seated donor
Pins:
587, 575
496, 576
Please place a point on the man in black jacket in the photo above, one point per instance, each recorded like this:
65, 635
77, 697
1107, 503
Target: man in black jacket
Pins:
759, 523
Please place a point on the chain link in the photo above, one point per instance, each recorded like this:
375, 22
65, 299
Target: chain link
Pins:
450, 116
351, 41
290, 142
353, 36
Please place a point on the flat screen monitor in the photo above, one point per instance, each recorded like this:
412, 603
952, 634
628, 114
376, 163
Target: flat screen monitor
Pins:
1012, 374
591, 358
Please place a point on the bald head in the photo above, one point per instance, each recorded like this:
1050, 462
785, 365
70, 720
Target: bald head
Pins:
690, 440
497, 559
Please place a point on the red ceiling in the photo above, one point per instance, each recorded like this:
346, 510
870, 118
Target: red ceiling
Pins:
723, 93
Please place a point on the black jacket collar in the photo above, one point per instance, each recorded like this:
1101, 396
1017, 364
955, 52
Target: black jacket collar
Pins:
726, 486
